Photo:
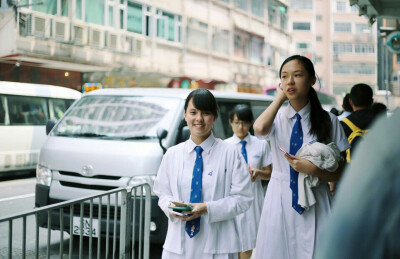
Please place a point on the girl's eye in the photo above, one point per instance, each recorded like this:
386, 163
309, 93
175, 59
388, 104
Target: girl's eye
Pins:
298, 75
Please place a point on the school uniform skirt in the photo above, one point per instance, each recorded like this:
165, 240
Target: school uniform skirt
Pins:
283, 233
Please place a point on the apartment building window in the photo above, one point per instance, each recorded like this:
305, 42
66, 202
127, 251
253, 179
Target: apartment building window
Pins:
256, 49
272, 15
78, 9
283, 17
364, 48
362, 28
197, 33
302, 46
94, 11
341, 6
318, 59
48, 6
364, 70
319, 17
241, 4
301, 4
225, 1
342, 69
242, 44
342, 27
319, 38
301, 26
257, 7
135, 18
398, 59
220, 40
168, 26
339, 48
110, 16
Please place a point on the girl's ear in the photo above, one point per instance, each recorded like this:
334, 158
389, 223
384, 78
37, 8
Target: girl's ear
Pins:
313, 80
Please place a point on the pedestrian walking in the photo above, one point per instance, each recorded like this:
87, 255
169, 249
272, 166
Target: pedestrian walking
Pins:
257, 155
286, 229
210, 175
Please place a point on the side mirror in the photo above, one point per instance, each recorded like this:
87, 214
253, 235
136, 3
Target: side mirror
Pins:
50, 125
162, 134
185, 134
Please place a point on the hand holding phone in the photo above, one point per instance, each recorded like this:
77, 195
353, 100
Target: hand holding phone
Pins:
180, 206
285, 152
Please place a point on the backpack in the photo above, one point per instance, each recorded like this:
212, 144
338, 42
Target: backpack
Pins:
356, 133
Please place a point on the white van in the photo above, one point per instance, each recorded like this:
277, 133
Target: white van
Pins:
116, 137
24, 110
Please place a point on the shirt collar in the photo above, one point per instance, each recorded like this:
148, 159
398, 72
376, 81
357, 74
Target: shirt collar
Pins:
206, 145
237, 140
291, 112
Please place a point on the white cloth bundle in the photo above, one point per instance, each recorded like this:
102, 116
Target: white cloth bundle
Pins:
325, 157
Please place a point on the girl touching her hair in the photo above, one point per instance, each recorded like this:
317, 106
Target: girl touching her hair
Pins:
286, 229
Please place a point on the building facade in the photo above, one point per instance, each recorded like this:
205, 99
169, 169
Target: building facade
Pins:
227, 44
341, 44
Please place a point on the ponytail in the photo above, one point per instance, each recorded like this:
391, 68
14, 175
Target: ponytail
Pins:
321, 124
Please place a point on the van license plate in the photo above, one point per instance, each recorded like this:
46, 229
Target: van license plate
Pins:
86, 227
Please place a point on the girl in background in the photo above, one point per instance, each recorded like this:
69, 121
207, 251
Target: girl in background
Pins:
256, 154
209, 174
287, 230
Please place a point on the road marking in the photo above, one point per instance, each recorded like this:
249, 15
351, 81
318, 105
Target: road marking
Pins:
18, 197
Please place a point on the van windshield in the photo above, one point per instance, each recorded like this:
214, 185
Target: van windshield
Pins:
122, 117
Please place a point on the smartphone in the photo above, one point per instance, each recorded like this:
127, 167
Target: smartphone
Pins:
180, 213
284, 151
180, 206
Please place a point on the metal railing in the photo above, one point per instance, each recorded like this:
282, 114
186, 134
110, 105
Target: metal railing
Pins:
119, 219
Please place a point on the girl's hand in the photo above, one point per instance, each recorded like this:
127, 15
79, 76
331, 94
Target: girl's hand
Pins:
280, 95
198, 210
301, 164
255, 173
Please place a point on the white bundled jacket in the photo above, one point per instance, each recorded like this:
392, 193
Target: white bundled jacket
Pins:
326, 157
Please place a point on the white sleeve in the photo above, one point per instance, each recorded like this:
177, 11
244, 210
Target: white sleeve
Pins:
266, 154
162, 186
240, 195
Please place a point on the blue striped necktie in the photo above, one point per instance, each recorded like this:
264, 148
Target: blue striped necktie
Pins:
244, 152
296, 141
193, 226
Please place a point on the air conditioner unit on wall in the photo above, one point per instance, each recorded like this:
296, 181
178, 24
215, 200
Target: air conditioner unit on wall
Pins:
79, 34
96, 37
40, 26
61, 30
113, 40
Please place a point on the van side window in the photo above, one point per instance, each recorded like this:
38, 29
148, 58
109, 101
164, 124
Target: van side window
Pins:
59, 107
27, 110
2, 112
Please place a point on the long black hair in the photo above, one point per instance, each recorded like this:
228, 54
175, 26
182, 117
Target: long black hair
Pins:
203, 100
321, 124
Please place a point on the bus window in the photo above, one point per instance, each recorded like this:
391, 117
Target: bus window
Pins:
26, 110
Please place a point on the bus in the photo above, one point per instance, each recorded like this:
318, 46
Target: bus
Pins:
328, 100
24, 111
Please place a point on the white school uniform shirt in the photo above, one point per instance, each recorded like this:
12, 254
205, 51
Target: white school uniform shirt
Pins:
259, 156
225, 190
283, 233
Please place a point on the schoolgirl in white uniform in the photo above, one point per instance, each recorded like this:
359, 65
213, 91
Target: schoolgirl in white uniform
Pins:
258, 156
224, 187
287, 230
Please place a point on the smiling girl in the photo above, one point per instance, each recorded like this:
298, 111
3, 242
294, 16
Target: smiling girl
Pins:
286, 229
209, 174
